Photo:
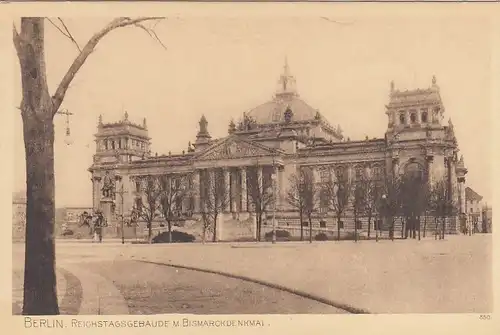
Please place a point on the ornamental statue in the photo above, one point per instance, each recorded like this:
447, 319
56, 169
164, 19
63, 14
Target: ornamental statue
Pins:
108, 186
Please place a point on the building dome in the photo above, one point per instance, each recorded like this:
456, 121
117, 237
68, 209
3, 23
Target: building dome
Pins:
286, 97
274, 110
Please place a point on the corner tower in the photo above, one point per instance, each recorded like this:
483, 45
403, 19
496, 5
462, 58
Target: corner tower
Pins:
121, 142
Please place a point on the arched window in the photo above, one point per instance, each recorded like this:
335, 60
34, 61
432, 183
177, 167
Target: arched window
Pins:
106, 144
340, 173
414, 170
413, 117
112, 144
424, 116
402, 119
359, 173
376, 173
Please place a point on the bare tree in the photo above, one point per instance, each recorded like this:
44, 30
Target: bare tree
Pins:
214, 200
441, 203
150, 200
339, 192
390, 204
303, 196
174, 190
358, 204
38, 108
372, 191
261, 195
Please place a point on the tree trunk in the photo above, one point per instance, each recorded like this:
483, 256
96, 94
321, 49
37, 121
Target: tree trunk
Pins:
369, 225
404, 231
338, 228
40, 295
310, 229
169, 225
436, 229
419, 228
391, 229
355, 227
425, 223
301, 227
150, 231
214, 236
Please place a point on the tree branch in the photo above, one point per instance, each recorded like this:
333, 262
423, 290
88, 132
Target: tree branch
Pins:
87, 50
17, 39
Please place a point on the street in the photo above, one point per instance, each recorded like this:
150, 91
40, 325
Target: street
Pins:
404, 276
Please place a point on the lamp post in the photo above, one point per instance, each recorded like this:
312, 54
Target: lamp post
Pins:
383, 211
273, 177
121, 193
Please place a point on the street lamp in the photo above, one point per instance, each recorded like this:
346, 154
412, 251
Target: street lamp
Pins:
383, 210
68, 140
273, 178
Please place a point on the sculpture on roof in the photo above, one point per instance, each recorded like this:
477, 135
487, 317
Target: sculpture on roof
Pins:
248, 122
288, 115
232, 127
100, 120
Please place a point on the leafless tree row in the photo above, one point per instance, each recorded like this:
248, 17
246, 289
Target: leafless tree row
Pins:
409, 198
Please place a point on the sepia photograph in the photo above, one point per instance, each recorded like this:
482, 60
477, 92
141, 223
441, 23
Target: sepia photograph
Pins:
257, 164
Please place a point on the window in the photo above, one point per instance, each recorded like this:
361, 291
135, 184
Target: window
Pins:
305, 224
138, 204
378, 224
424, 115
113, 145
137, 186
276, 116
120, 143
359, 224
402, 119
377, 173
359, 173
106, 144
413, 117
414, 170
324, 176
341, 224
322, 224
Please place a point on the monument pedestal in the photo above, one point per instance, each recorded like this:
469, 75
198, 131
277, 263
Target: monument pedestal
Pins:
106, 208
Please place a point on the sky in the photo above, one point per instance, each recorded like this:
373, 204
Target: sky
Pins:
222, 66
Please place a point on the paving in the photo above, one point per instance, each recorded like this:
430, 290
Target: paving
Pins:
404, 276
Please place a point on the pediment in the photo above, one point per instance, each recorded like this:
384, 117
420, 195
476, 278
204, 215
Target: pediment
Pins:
232, 148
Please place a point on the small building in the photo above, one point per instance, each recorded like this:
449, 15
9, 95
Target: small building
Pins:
474, 208
486, 219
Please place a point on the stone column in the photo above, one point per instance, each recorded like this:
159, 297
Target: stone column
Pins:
395, 167
430, 160
227, 185
233, 193
461, 188
244, 200
281, 188
196, 191
96, 192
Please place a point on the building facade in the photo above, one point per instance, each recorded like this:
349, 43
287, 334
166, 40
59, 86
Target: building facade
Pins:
277, 138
